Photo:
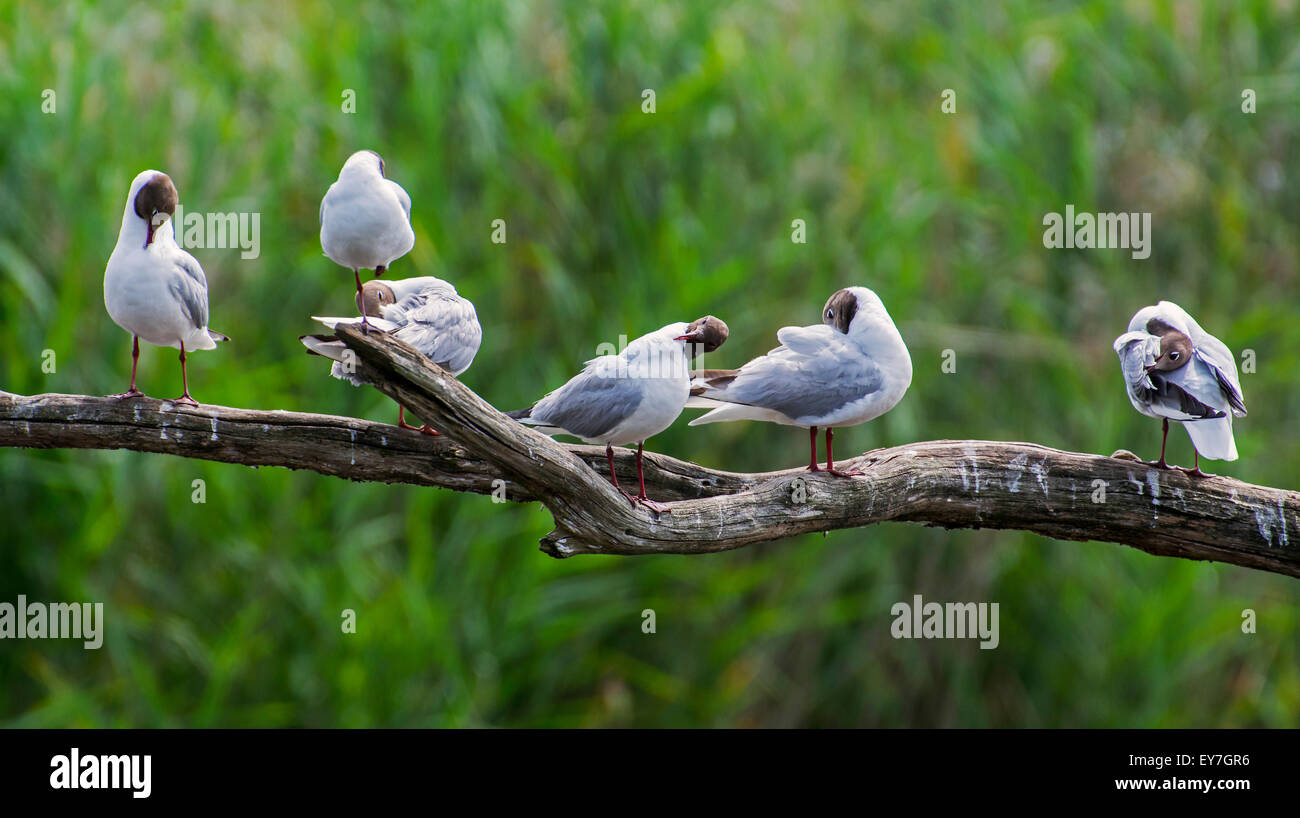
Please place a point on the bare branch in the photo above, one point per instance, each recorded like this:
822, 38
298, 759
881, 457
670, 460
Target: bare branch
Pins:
359, 450
953, 484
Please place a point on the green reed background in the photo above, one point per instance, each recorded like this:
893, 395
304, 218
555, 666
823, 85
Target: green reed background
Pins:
227, 613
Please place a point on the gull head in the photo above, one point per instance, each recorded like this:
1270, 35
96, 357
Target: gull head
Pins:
704, 335
374, 296
155, 202
853, 308
1175, 350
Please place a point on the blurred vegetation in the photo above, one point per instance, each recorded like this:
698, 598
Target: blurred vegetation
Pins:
227, 613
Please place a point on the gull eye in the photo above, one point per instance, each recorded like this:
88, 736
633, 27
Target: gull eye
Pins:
830, 314
1173, 356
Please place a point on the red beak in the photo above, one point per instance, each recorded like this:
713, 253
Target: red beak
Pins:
148, 239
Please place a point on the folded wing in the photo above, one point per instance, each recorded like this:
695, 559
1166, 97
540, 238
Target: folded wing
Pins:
443, 326
590, 405
814, 373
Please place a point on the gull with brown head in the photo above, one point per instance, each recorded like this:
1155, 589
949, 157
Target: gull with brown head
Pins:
152, 288
1174, 370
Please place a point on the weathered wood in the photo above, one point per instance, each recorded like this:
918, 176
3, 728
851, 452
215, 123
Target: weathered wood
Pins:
954, 484
360, 450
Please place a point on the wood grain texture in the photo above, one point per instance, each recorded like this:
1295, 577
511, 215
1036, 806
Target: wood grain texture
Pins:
948, 483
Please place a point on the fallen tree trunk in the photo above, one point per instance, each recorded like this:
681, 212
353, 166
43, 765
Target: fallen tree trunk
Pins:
953, 484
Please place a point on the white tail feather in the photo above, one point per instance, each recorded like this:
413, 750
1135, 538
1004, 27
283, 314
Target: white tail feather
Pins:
333, 321
329, 349
701, 402
1213, 438
739, 411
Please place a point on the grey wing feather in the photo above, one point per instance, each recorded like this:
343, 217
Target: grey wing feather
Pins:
803, 386
815, 387
1216, 355
443, 326
1176, 398
402, 197
1136, 351
191, 289
1200, 386
589, 405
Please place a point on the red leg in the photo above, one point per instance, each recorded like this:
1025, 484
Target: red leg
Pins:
1161, 464
830, 458
135, 360
613, 477
1195, 471
812, 444
401, 418
185, 383
640, 476
365, 325
401, 421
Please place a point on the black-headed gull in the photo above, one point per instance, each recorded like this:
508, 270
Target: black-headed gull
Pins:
365, 219
629, 397
849, 369
425, 312
1174, 370
152, 288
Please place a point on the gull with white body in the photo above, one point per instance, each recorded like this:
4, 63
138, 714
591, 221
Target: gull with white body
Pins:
152, 288
627, 398
425, 312
1174, 370
365, 218
847, 370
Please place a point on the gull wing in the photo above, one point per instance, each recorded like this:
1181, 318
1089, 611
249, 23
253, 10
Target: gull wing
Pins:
190, 286
591, 404
402, 197
829, 375
443, 326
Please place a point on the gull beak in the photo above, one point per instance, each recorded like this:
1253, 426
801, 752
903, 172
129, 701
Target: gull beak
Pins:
152, 227
693, 337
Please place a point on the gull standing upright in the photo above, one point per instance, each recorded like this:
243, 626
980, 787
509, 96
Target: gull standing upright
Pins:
629, 397
1174, 370
152, 288
365, 219
425, 312
849, 369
